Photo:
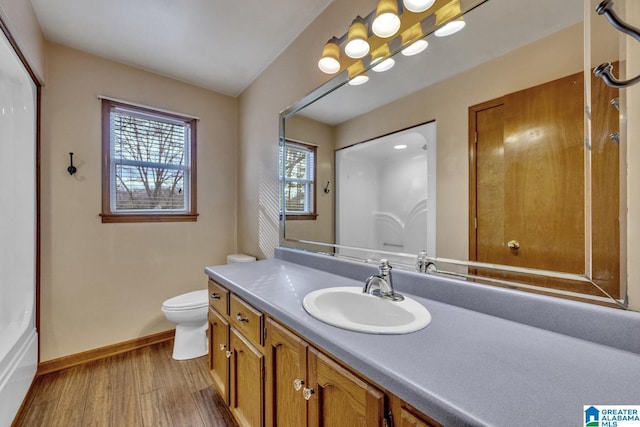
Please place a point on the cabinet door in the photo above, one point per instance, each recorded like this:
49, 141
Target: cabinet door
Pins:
246, 382
218, 348
406, 415
286, 358
340, 398
407, 419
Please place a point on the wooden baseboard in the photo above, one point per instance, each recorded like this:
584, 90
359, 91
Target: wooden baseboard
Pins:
102, 352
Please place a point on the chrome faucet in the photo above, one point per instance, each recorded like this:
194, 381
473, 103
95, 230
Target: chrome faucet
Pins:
423, 265
421, 262
381, 284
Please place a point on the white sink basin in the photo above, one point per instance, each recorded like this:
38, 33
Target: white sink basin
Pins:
349, 308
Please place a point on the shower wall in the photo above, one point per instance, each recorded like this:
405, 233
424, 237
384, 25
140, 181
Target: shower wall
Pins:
18, 337
386, 196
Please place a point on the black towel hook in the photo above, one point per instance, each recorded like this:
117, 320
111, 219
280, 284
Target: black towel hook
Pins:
71, 169
604, 70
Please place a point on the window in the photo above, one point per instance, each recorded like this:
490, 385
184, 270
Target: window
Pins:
148, 166
299, 180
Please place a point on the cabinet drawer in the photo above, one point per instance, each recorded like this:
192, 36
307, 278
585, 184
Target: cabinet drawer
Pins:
219, 298
247, 320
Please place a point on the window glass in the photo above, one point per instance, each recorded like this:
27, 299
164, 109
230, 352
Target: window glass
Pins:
150, 167
299, 179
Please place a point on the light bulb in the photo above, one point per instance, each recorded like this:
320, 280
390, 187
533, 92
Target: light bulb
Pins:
450, 28
330, 61
357, 48
359, 80
415, 47
329, 65
418, 6
383, 65
357, 45
386, 25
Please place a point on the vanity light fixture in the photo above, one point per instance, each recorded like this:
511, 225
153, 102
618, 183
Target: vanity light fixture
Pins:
378, 58
387, 21
413, 41
356, 73
415, 48
390, 26
330, 61
417, 6
384, 65
359, 80
357, 45
445, 15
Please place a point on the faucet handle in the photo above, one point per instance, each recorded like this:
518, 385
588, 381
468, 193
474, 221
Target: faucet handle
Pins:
384, 267
421, 261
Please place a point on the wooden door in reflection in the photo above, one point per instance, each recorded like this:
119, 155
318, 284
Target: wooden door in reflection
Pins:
527, 183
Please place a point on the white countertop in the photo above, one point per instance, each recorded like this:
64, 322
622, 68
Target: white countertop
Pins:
465, 368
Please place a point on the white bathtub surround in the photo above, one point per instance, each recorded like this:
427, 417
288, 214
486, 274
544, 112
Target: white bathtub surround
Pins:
18, 337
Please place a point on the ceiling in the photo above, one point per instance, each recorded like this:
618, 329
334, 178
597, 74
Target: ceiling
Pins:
214, 44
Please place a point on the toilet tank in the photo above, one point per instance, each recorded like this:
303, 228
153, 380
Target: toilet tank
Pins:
238, 258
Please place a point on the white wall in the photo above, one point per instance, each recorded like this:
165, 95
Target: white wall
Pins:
292, 75
21, 21
105, 283
357, 201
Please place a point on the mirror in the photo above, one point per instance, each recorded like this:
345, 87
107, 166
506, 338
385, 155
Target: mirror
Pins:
386, 193
554, 207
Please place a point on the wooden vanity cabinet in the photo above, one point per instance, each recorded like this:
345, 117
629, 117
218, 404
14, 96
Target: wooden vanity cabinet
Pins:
247, 387
236, 362
286, 359
219, 335
247, 320
339, 397
404, 415
307, 388
270, 376
219, 299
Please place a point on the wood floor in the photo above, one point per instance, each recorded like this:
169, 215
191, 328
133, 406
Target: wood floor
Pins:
144, 387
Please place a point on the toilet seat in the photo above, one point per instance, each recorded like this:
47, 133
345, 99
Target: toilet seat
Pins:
188, 301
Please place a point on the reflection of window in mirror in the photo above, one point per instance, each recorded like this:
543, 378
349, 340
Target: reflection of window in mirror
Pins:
299, 180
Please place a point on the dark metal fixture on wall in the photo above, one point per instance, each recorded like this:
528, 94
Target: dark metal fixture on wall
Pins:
604, 70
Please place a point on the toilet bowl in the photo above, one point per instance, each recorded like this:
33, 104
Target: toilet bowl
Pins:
189, 313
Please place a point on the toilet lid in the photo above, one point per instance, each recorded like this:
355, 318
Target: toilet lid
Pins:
195, 299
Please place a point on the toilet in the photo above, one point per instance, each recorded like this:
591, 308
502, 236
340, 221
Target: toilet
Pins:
189, 313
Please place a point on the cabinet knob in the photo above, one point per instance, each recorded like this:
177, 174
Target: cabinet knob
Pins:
215, 295
222, 346
307, 393
513, 245
229, 354
240, 318
298, 383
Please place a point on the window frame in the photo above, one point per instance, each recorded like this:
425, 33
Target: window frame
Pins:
313, 214
109, 216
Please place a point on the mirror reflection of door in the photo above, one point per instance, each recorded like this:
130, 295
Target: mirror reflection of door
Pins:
527, 182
